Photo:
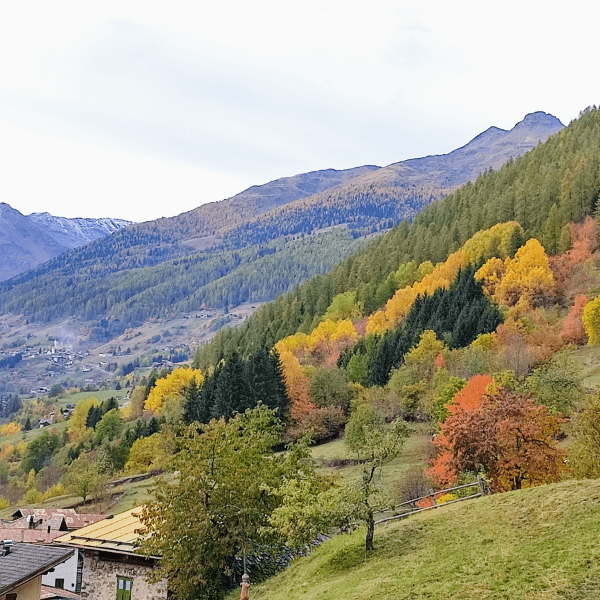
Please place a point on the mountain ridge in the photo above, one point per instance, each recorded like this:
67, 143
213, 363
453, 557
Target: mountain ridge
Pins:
29, 240
424, 179
110, 277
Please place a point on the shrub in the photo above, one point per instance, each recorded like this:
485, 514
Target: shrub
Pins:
321, 424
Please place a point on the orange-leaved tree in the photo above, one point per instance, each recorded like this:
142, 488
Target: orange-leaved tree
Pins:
572, 329
296, 383
511, 438
467, 400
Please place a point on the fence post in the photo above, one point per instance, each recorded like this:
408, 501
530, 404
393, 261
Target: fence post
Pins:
432, 494
482, 486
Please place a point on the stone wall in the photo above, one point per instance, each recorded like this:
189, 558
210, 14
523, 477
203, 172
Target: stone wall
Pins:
101, 570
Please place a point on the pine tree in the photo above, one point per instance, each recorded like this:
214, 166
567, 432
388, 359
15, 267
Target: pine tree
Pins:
232, 394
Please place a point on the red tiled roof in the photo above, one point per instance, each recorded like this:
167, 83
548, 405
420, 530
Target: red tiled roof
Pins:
49, 593
75, 521
55, 518
29, 535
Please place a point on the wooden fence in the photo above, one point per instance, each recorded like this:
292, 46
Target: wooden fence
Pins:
410, 506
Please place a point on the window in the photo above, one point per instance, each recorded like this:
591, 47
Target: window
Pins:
59, 583
124, 586
11, 597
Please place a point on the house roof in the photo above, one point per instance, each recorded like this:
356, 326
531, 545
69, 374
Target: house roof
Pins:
52, 593
56, 518
28, 535
118, 533
25, 562
39, 512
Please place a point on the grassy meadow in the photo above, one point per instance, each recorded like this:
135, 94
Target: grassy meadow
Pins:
541, 543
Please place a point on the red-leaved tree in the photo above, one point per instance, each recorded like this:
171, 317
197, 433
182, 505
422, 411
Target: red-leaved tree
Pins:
510, 437
572, 329
442, 471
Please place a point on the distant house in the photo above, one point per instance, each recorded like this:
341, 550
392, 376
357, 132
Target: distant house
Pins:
43, 525
22, 567
112, 567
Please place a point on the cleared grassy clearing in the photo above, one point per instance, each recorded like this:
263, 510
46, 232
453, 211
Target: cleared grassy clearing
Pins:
414, 455
540, 544
125, 497
587, 359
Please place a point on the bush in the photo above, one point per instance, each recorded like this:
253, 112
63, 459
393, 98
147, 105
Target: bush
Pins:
321, 424
414, 484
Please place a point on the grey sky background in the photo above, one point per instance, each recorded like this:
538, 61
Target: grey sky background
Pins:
143, 109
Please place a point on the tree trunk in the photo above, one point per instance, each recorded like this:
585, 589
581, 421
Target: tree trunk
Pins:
370, 532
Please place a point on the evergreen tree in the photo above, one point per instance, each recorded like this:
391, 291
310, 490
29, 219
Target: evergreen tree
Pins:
93, 417
192, 403
232, 394
109, 405
265, 380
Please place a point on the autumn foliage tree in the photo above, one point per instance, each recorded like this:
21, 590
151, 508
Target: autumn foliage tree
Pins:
171, 388
591, 320
573, 330
510, 437
465, 400
526, 278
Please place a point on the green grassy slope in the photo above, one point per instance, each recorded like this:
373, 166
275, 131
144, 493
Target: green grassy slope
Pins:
542, 543
413, 455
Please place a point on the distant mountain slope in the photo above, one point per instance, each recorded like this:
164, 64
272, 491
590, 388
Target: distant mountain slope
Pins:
400, 189
72, 233
27, 241
209, 219
126, 274
23, 243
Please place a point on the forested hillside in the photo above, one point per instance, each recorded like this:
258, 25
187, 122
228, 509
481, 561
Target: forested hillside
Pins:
469, 336
223, 254
188, 283
555, 183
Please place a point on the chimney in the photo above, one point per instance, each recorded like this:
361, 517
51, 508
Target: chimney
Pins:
5, 546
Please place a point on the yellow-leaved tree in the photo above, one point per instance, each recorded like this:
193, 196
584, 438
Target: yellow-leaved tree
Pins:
526, 279
591, 320
77, 427
398, 306
500, 241
171, 388
9, 429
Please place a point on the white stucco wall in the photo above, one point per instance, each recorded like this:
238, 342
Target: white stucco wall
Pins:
66, 571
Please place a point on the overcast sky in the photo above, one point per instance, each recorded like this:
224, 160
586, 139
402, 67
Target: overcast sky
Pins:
146, 109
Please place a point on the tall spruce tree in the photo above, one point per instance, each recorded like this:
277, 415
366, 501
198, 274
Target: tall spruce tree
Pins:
232, 394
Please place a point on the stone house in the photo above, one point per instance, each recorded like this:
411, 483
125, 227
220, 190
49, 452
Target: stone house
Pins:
112, 569
22, 567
